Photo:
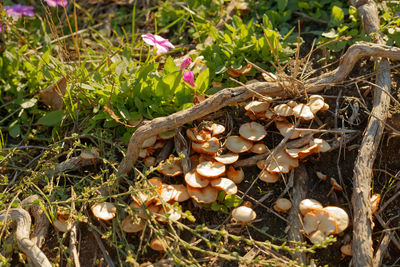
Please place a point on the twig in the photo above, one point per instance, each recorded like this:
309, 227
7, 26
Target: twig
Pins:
73, 234
382, 248
103, 249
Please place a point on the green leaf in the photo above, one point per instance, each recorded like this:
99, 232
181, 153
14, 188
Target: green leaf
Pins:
282, 5
14, 129
52, 118
337, 16
266, 22
232, 201
203, 80
29, 103
170, 66
215, 206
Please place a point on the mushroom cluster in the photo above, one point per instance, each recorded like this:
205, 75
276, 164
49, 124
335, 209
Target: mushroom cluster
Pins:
153, 144
320, 222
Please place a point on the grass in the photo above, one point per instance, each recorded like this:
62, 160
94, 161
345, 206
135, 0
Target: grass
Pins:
100, 47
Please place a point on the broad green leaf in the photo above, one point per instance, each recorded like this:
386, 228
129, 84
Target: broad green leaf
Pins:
232, 201
170, 66
202, 80
337, 16
282, 5
52, 118
14, 129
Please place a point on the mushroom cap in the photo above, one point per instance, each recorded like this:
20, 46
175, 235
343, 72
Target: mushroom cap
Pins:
291, 103
302, 152
216, 129
309, 204
149, 141
88, 155
323, 146
319, 220
252, 131
198, 136
374, 200
227, 158
196, 180
317, 237
172, 168
340, 216
282, 205
268, 177
335, 185
321, 176
315, 97
283, 110
207, 194
269, 76
347, 249
104, 211
62, 225
236, 176
303, 112
310, 222
244, 214
285, 127
129, 226
159, 144
158, 244
237, 144
210, 169
257, 106
282, 163
259, 148
316, 105
269, 115
168, 193
209, 147
225, 184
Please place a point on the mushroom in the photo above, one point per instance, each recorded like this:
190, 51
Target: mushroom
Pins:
316, 104
340, 216
129, 226
321, 176
104, 211
318, 224
167, 135
346, 250
196, 180
62, 225
216, 129
309, 204
209, 147
282, 205
227, 158
268, 177
172, 167
323, 146
257, 107
237, 144
149, 161
158, 244
283, 110
236, 176
244, 214
303, 112
225, 184
374, 200
259, 148
207, 194
198, 136
269, 76
210, 169
335, 185
285, 127
149, 142
302, 152
252, 131
282, 163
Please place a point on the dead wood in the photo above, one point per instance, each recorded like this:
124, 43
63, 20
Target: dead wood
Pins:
380, 253
230, 96
73, 238
299, 192
22, 220
362, 221
73, 163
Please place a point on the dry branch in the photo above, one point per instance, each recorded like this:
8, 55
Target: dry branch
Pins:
239, 94
22, 220
362, 221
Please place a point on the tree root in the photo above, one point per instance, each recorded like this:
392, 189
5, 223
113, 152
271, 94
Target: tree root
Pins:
230, 96
22, 220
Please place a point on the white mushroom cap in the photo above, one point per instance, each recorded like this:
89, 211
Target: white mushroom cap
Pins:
236, 176
269, 76
257, 106
209, 147
129, 226
283, 110
259, 148
181, 192
244, 214
158, 244
237, 144
104, 211
315, 97
310, 222
149, 142
323, 146
282, 205
309, 204
207, 194
282, 163
252, 131
198, 136
291, 103
302, 152
269, 177
319, 219
217, 129
317, 237
225, 184
269, 115
285, 127
316, 105
347, 250
210, 169
62, 225
303, 112
374, 200
340, 216
227, 158
196, 180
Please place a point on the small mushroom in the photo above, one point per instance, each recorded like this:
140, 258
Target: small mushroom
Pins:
244, 214
309, 204
149, 161
227, 158
104, 211
209, 147
129, 226
225, 184
149, 142
236, 176
374, 200
257, 106
346, 250
323, 146
321, 176
282, 162
158, 244
335, 185
259, 148
283, 110
167, 135
269, 177
282, 205
285, 127
303, 112
340, 216
196, 180
207, 194
237, 144
210, 169
172, 168
302, 152
252, 131
62, 225
269, 76
198, 136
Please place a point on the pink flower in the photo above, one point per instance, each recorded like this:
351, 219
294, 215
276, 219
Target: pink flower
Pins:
18, 10
188, 77
186, 63
54, 3
162, 45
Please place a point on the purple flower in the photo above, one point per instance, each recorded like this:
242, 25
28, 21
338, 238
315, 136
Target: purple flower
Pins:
18, 10
186, 63
162, 45
54, 3
188, 77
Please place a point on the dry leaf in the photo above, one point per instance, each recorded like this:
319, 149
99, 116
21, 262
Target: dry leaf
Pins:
53, 94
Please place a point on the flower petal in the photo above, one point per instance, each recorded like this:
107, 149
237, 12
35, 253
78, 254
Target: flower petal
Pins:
149, 39
188, 77
161, 49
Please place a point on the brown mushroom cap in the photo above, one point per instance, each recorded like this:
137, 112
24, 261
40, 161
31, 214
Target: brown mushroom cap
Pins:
149, 161
237, 144
335, 185
225, 184
317, 237
210, 169
282, 205
236, 176
303, 112
217, 129
227, 158
252, 131
316, 105
181, 192
209, 147
282, 163
269, 177
321, 176
340, 217
309, 204
259, 148
269, 76
158, 244
257, 106
302, 152
291, 103
323, 146
173, 168
198, 136
283, 110
374, 200
104, 211
347, 250
319, 220
285, 127
196, 180
207, 194
244, 214
129, 226
62, 225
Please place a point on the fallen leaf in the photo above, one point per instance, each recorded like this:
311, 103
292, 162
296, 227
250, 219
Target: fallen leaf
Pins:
53, 94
